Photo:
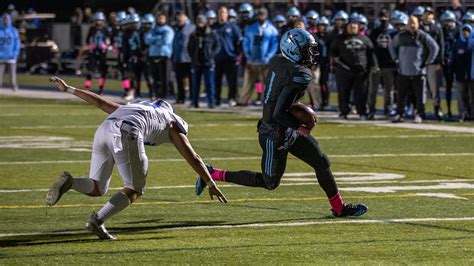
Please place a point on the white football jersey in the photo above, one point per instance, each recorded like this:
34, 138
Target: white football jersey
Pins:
152, 119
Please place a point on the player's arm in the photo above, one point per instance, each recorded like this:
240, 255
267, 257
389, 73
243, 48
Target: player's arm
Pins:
288, 96
88, 96
182, 144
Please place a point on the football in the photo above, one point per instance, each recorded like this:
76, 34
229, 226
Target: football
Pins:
304, 114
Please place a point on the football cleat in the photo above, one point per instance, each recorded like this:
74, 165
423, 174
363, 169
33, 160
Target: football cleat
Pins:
351, 210
200, 184
96, 226
60, 187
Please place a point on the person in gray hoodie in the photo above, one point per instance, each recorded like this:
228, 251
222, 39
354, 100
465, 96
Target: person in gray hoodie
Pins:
412, 50
9, 49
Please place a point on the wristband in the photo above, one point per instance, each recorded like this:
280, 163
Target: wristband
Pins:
70, 89
211, 183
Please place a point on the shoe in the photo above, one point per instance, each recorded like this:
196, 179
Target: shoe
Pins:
343, 116
397, 119
409, 111
371, 116
96, 226
129, 97
232, 103
351, 210
258, 103
438, 113
464, 118
418, 119
60, 187
363, 118
200, 184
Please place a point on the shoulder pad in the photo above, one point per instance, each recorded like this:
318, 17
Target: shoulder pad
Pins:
302, 76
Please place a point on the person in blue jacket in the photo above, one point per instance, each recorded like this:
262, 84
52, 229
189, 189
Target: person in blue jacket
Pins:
461, 61
9, 49
260, 44
203, 46
229, 37
181, 59
160, 47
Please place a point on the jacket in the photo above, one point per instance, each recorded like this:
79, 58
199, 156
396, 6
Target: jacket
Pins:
413, 52
203, 47
461, 59
180, 43
160, 41
260, 43
9, 41
435, 31
353, 53
229, 37
381, 38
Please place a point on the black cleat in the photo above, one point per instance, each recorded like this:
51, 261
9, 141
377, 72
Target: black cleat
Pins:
351, 210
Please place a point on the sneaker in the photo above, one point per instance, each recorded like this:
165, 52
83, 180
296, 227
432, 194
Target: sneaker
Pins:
371, 116
351, 210
418, 119
409, 111
232, 103
200, 184
397, 119
438, 113
60, 187
96, 226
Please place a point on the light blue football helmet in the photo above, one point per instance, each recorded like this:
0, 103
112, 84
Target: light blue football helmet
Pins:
232, 13
448, 15
419, 10
246, 7
293, 11
99, 16
468, 18
148, 18
121, 15
211, 14
312, 15
323, 21
340, 15
279, 18
299, 46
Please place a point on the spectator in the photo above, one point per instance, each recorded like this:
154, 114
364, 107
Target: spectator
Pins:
14, 14
312, 18
321, 37
260, 43
181, 57
381, 38
245, 15
412, 51
211, 17
461, 61
132, 50
450, 32
229, 37
203, 46
98, 40
232, 15
9, 49
76, 25
457, 9
353, 58
434, 70
160, 42
147, 23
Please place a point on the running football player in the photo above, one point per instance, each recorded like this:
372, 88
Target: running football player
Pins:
280, 133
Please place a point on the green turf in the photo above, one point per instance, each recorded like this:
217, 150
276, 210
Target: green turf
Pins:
154, 230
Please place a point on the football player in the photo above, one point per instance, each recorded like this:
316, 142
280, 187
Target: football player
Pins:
280, 133
120, 140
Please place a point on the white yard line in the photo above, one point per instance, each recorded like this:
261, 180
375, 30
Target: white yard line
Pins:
441, 195
257, 158
260, 225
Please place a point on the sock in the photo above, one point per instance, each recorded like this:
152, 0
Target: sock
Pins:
126, 84
218, 174
101, 83
117, 203
83, 185
87, 84
258, 87
337, 203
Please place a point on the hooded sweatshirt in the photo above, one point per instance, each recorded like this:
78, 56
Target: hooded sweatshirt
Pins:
9, 41
461, 59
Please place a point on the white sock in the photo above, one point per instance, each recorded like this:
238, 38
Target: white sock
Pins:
83, 185
116, 204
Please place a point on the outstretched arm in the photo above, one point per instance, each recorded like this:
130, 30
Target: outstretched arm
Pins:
88, 96
184, 147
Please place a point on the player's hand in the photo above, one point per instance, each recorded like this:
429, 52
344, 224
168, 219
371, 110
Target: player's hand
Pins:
214, 191
59, 83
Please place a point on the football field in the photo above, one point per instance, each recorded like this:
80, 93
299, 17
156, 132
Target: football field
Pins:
418, 184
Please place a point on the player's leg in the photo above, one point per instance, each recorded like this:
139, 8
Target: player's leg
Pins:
250, 78
2, 71
388, 84
273, 166
231, 77
97, 183
307, 149
374, 81
209, 74
219, 75
103, 73
196, 85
